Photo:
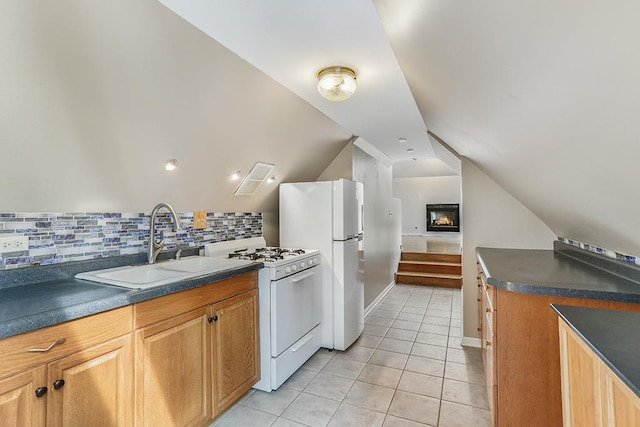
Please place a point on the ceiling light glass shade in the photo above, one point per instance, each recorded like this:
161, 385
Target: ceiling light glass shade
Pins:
336, 83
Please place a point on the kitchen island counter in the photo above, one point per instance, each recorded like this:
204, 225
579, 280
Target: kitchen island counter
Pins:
519, 329
564, 271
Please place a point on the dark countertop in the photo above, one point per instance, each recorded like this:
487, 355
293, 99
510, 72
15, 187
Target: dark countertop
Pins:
612, 334
564, 271
35, 297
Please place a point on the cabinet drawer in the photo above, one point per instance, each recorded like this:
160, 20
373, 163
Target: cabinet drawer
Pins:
168, 306
77, 335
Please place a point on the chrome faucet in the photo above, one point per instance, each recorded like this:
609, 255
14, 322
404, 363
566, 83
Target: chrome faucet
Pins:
156, 246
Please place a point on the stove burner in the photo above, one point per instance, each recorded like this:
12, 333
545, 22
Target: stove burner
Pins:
266, 254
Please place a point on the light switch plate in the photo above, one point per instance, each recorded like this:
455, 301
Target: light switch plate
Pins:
199, 220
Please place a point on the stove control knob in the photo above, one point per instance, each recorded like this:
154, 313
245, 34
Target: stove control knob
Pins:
287, 269
310, 262
294, 267
302, 264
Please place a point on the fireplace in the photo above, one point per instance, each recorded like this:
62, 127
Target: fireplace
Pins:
443, 217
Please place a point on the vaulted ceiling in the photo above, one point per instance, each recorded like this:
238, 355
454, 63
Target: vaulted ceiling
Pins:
542, 96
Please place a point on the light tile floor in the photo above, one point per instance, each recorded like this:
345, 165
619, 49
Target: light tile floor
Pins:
407, 369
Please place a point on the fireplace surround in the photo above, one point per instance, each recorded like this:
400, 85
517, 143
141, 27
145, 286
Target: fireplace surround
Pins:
443, 217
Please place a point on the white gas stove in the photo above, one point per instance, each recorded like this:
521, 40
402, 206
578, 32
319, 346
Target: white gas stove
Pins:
290, 298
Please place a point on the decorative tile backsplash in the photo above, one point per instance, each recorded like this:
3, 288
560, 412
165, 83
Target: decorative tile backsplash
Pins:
602, 251
61, 237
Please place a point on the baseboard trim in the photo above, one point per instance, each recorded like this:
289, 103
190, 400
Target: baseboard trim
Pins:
471, 342
376, 301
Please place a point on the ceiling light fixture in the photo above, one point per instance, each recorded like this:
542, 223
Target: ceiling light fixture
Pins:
171, 164
235, 176
336, 83
409, 150
272, 179
402, 140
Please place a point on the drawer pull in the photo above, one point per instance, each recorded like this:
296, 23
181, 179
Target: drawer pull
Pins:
42, 350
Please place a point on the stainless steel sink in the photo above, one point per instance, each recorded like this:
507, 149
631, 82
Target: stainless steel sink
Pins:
163, 273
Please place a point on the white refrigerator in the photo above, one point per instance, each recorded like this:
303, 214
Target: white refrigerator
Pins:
328, 216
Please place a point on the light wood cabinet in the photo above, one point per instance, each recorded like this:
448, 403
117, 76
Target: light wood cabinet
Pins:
72, 374
236, 353
93, 387
197, 352
19, 405
172, 370
488, 337
522, 364
592, 394
176, 360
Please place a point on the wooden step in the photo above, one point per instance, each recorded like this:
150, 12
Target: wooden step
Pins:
431, 257
430, 267
430, 279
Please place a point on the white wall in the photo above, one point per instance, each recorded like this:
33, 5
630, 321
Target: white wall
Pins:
492, 218
96, 96
416, 193
381, 248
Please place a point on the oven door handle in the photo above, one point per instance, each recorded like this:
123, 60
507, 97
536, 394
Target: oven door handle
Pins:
301, 277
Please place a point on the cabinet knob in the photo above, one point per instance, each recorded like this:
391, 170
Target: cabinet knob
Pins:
213, 319
488, 343
488, 310
41, 391
58, 384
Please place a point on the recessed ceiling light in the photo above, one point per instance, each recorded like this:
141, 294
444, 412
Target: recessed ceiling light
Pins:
272, 179
409, 150
415, 158
235, 176
402, 140
171, 164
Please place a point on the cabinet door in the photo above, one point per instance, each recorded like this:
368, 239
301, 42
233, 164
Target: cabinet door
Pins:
580, 377
173, 371
236, 357
621, 405
19, 405
92, 387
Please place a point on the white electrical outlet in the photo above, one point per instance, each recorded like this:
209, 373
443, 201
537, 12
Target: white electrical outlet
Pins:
14, 243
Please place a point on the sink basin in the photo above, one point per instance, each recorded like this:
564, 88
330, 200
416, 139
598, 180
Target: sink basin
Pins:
140, 275
203, 264
163, 273
135, 277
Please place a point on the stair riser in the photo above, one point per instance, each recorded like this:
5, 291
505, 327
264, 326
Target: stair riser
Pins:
430, 268
415, 256
429, 281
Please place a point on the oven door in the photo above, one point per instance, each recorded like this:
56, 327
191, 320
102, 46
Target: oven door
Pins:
296, 308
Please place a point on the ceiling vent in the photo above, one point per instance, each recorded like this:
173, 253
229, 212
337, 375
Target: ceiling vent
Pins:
252, 181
